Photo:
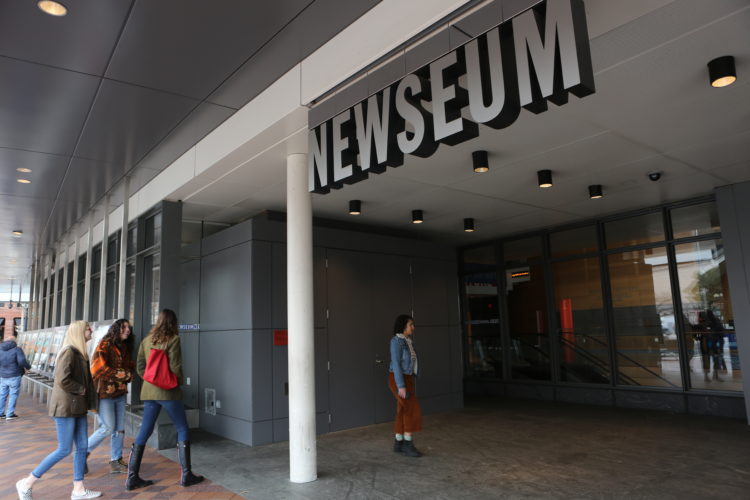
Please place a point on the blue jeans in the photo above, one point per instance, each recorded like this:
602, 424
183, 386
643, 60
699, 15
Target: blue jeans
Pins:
112, 420
69, 430
12, 385
151, 410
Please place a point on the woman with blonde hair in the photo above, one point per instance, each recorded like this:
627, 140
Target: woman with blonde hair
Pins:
73, 395
162, 337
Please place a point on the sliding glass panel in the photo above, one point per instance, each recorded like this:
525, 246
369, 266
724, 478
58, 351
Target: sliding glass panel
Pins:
643, 317
707, 315
582, 335
527, 309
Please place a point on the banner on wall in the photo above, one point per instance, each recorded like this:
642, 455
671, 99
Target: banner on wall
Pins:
538, 56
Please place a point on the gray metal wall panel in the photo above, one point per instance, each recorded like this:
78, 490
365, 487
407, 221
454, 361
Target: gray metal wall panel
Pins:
434, 285
430, 49
262, 284
228, 427
482, 20
717, 406
190, 343
169, 280
734, 210
512, 8
229, 237
390, 72
261, 364
224, 366
190, 289
226, 289
433, 345
262, 432
457, 359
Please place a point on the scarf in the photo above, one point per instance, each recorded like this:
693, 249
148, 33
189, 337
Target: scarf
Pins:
414, 361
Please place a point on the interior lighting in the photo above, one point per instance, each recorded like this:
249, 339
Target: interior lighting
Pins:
545, 178
23, 181
480, 161
52, 8
595, 191
417, 217
355, 207
17, 232
721, 71
519, 275
23, 170
469, 225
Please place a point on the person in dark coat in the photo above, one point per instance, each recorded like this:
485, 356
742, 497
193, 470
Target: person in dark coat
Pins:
13, 365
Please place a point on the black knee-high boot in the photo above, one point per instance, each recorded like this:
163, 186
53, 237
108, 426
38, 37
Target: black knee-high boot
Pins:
134, 481
188, 478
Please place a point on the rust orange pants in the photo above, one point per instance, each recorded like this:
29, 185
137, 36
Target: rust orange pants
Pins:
408, 411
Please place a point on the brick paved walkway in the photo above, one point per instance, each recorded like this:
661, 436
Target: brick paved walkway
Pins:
26, 441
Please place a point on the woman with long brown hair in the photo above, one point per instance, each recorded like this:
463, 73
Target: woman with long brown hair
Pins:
112, 368
163, 336
401, 380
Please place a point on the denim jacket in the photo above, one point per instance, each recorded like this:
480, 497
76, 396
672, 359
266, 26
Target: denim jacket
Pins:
400, 360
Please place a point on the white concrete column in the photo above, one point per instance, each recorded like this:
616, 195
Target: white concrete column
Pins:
303, 465
87, 279
55, 295
121, 291
103, 266
64, 298
74, 313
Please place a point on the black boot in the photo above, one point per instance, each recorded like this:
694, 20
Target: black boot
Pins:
397, 445
188, 478
408, 449
134, 481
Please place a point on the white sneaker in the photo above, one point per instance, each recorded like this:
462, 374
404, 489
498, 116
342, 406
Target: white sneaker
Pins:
23, 494
86, 494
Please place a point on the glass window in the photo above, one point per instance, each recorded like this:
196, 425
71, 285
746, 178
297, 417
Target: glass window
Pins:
94, 300
527, 309
82, 267
695, 220
643, 318
480, 259
131, 242
69, 281
582, 334
152, 231
130, 292
79, 301
96, 263
113, 250
110, 296
573, 241
482, 325
707, 315
648, 228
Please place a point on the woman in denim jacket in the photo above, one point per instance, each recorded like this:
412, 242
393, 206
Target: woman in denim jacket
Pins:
403, 372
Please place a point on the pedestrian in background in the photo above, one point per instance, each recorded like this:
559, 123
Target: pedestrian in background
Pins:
13, 365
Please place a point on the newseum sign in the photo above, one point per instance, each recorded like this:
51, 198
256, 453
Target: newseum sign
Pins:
538, 56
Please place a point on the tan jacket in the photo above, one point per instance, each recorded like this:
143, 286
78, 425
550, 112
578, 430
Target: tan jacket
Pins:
150, 392
73, 393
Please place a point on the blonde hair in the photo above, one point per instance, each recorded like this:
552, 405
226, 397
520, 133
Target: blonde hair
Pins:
76, 337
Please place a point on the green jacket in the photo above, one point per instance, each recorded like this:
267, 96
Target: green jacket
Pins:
73, 393
150, 392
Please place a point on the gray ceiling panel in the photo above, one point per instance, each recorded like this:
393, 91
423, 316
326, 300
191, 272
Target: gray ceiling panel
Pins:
318, 23
127, 121
482, 20
42, 108
47, 172
201, 121
87, 180
181, 46
80, 41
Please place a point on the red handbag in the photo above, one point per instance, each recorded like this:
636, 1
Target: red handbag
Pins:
158, 372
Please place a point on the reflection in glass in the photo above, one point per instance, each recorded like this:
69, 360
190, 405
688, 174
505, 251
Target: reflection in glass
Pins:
94, 300
584, 351
647, 228
130, 292
643, 318
695, 220
527, 310
482, 325
573, 241
707, 315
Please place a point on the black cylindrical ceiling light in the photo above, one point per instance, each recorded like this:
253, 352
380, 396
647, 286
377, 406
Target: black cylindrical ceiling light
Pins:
468, 225
545, 178
355, 207
721, 71
480, 161
417, 217
595, 191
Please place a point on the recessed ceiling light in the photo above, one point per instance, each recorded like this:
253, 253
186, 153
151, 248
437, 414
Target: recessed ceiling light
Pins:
52, 8
545, 178
721, 71
23, 170
417, 217
23, 181
469, 225
17, 232
355, 207
12, 261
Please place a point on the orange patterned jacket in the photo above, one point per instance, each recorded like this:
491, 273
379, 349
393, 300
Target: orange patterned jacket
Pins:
111, 370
